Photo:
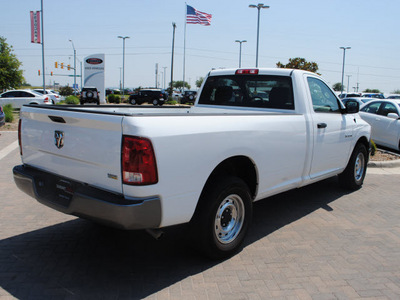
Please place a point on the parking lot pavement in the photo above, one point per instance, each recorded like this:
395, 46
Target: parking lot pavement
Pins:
317, 242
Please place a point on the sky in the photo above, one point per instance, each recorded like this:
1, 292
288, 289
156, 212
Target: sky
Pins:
311, 29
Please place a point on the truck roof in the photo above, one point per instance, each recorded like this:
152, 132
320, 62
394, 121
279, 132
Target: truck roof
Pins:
261, 71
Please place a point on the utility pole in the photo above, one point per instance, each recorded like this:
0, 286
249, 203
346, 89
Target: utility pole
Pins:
172, 59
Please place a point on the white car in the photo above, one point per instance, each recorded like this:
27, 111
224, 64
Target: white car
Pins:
17, 98
55, 97
383, 116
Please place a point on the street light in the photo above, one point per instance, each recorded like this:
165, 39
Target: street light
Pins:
240, 52
123, 63
258, 6
73, 47
344, 56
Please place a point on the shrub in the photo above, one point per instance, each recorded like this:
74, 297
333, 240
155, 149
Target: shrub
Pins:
112, 98
373, 148
171, 102
66, 91
8, 111
72, 100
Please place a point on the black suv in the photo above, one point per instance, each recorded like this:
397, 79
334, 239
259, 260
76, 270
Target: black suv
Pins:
188, 96
154, 96
90, 95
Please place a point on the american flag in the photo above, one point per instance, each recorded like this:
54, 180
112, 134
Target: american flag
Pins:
193, 16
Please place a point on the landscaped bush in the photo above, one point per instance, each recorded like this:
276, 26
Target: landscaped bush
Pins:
8, 111
72, 100
112, 98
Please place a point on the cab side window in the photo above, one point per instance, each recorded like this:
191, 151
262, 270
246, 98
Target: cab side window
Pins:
323, 99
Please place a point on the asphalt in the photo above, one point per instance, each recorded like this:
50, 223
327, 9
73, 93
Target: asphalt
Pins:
317, 242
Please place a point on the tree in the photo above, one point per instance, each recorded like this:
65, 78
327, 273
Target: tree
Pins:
337, 87
299, 63
376, 91
11, 76
179, 84
66, 91
199, 82
396, 92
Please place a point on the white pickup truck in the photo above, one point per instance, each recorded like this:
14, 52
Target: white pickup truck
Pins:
251, 134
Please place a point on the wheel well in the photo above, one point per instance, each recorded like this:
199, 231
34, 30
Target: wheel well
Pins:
363, 140
238, 166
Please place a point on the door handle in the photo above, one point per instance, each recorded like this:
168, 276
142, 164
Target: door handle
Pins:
322, 125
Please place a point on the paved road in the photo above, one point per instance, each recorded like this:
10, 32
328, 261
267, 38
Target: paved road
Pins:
318, 242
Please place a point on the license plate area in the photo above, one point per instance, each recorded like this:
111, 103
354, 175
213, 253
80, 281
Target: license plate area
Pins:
64, 192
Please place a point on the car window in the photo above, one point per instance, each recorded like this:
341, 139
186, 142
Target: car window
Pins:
25, 94
372, 108
248, 91
11, 94
387, 108
323, 99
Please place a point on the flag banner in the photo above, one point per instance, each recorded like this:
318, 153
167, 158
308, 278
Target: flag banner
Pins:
193, 16
35, 27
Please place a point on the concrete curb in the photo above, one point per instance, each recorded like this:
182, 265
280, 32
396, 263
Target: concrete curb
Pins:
384, 164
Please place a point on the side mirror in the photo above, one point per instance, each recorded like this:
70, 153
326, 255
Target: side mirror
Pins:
393, 116
352, 107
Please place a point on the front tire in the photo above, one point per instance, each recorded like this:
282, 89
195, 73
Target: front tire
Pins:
222, 218
353, 176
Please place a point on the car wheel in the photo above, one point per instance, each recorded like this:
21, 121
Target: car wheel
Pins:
89, 95
155, 102
191, 97
222, 217
133, 101
353, 176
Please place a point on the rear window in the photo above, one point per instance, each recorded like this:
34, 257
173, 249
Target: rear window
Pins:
248, 91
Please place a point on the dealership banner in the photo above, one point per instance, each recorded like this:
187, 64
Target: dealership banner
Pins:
94, 74
35, 27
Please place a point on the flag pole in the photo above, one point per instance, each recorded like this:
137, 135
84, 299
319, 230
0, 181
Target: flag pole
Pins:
184, 50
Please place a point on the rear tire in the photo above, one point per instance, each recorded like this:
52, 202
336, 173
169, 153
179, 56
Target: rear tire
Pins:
133, 101
155, 102
222, 217
353, 176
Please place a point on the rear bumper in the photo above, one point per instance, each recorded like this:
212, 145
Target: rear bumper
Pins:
82, 200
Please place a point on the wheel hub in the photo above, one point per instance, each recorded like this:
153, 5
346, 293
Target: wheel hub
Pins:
229, 219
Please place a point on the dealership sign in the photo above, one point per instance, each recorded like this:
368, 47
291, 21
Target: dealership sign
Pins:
94, 74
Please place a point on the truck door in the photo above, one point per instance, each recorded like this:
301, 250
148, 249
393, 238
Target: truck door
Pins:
332, 130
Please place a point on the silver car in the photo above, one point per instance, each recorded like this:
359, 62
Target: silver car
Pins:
17, 98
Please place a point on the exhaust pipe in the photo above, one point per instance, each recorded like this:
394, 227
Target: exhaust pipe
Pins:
155, 233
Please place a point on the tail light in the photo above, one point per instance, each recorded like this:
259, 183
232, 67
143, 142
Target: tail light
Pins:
19, 137
138, 161
247, 72
46, 100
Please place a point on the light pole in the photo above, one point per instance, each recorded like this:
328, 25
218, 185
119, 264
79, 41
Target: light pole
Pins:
73, 47
240, 51
123, 63
348, 82
258, 6
172, 58
344, 57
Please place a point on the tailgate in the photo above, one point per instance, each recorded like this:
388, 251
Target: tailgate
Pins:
82, 146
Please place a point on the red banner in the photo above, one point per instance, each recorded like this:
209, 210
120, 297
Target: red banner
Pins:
35, 27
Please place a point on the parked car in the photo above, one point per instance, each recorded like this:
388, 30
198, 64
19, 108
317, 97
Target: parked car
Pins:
55, 97
383, 116
2, 117
360, 100
90, 95
393, 97
349, 95
154, 96
17, 98
373, 95
188, 96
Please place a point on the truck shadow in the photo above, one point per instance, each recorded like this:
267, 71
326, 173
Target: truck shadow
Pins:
78, 259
